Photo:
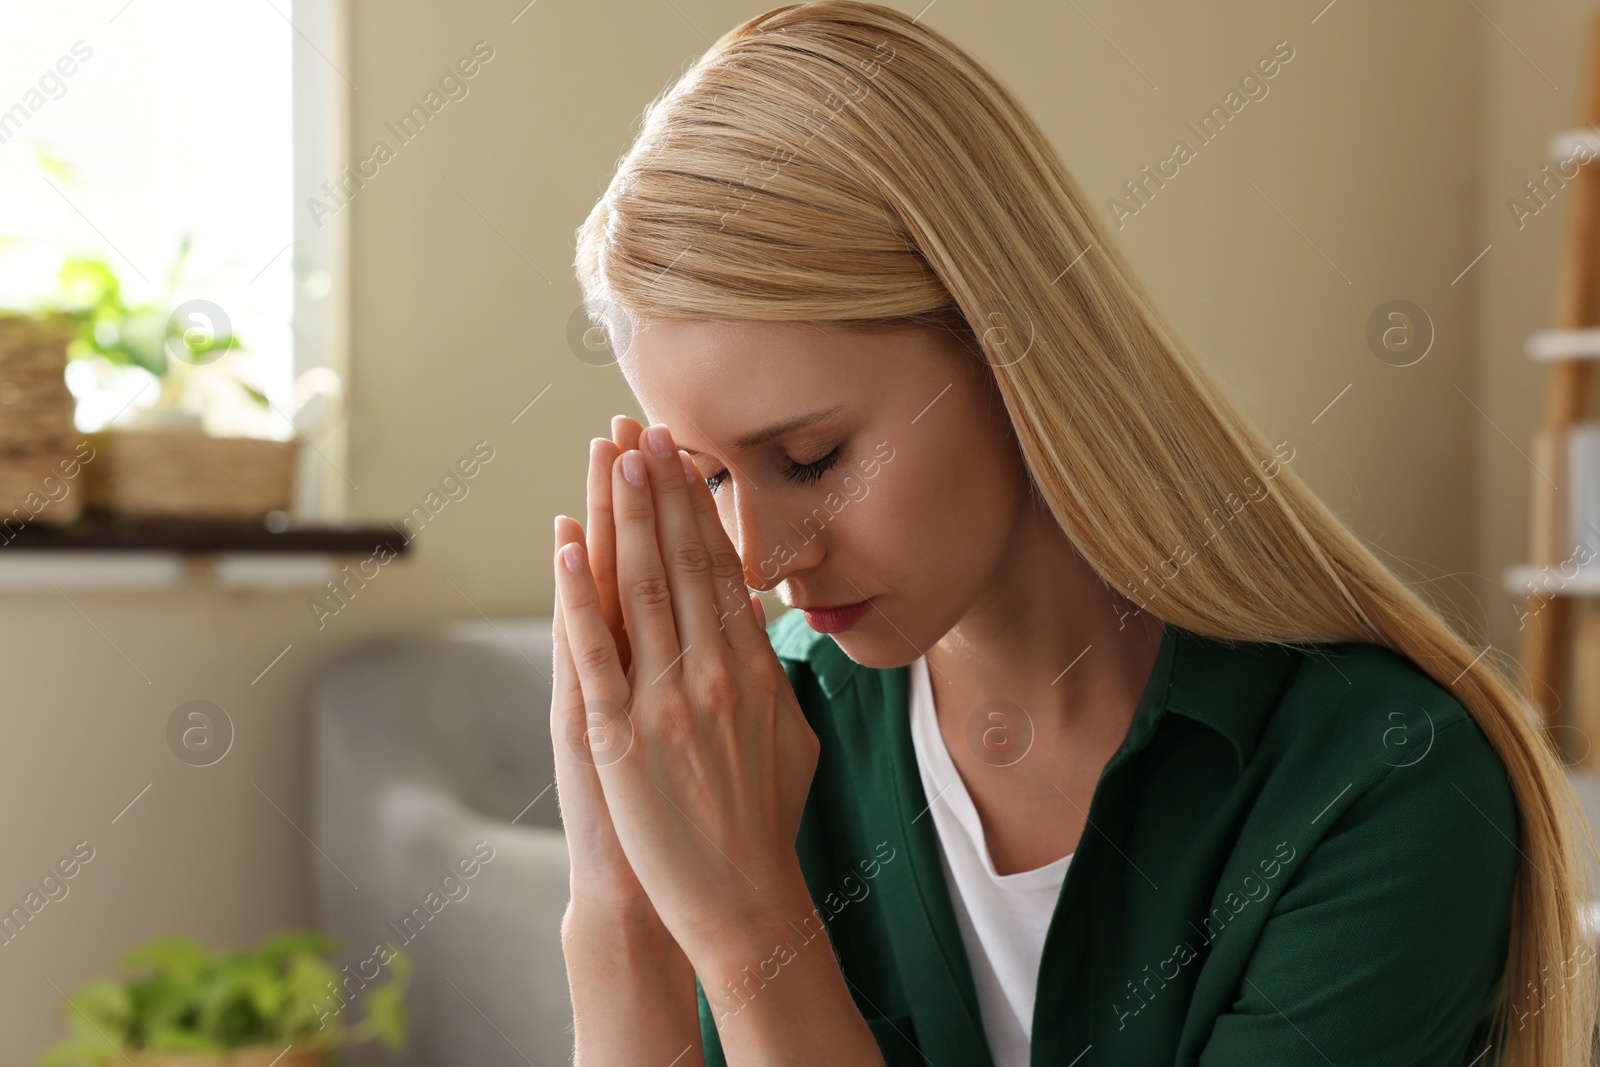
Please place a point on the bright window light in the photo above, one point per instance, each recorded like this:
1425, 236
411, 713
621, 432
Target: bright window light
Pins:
126, 128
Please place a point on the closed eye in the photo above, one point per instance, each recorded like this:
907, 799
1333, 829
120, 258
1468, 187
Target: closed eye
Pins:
799, 473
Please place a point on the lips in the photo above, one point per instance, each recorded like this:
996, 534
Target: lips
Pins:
836, 618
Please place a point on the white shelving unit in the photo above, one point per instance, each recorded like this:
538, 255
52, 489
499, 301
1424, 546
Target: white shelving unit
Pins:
1554, 579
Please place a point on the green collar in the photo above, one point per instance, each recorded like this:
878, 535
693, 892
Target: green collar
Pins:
1230, 686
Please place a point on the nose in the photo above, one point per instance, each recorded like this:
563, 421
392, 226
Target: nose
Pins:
769, 546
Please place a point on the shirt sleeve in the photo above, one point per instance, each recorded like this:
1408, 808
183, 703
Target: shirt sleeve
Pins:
1390, 943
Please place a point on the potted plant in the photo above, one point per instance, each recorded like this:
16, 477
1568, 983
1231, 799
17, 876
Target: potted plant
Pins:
281, 1003
157, 460
144, 335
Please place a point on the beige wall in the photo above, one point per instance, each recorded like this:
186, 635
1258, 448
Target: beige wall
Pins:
1365, 175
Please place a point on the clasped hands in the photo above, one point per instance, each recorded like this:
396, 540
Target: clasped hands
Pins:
683, 759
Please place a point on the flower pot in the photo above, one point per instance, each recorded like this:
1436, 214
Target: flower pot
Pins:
188, 474
245, 1057
158, 418
38, 442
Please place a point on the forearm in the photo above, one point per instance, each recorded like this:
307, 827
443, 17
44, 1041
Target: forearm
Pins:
777, 995
622, 968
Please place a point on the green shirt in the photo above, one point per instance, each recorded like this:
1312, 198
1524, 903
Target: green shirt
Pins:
1298, 855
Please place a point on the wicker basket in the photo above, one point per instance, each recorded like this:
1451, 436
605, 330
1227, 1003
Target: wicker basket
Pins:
39, 445
263, 1057
171, 474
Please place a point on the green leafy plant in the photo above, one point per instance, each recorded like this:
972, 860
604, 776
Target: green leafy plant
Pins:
189, 999
140, 335
123, 333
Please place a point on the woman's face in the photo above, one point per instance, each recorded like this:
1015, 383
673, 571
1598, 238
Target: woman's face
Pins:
846, 466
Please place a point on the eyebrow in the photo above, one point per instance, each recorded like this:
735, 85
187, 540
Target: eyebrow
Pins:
761, 437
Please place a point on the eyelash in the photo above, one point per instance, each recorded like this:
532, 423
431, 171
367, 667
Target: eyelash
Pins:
800, 473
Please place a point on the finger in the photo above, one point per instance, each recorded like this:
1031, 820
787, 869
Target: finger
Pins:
568, 717
641, 576
585, 734
624, 435
602, 538
600, 676
740, 630
682, 546
625, 432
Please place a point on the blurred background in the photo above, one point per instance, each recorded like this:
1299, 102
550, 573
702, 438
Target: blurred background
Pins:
295, 377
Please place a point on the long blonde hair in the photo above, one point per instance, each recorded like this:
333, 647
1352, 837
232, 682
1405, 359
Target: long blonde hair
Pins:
840, 162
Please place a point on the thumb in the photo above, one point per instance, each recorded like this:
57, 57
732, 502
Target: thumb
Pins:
760, 609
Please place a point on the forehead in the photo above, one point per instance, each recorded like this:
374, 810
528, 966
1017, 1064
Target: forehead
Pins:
724, 377
680, 348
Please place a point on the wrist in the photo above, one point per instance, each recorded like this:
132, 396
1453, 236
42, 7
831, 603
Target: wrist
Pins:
740, 936
632, 923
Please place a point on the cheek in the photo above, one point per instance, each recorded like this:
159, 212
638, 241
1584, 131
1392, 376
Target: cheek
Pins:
937, 521
905, 520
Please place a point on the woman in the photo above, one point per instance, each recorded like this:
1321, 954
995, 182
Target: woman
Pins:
1097, 739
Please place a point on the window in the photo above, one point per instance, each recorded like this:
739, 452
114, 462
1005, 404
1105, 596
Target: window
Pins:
127, 129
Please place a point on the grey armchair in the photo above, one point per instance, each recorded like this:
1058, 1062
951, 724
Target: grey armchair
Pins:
435, 824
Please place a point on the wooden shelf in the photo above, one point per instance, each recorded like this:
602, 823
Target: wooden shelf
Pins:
104, 551
98, 530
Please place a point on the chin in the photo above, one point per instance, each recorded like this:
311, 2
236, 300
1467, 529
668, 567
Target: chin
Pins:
869, 651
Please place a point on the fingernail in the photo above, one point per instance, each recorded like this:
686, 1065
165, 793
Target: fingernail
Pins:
572, 555
633, 467
660, 440
690, 473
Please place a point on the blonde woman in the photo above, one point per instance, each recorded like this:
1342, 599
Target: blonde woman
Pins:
1094, 738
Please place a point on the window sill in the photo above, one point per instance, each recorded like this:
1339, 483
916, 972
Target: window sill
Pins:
102, 551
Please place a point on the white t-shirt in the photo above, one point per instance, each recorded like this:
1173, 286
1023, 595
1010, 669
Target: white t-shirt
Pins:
1003, 917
